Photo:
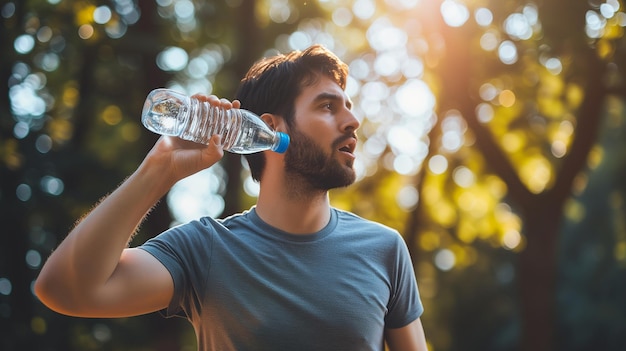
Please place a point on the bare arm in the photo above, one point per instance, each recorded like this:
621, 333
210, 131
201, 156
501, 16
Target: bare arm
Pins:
92, 273
408, 338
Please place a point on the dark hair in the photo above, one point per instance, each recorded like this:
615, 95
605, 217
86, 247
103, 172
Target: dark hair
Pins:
273, 84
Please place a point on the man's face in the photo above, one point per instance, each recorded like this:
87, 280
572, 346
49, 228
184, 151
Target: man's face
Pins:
323, 138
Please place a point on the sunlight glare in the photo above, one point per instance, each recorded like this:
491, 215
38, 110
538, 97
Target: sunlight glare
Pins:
402, 4
364, 9
415, 99
413, 68
383, 36
375, 90
386, 64
402, 139
359, 69
372, 110
374, 145
342, 17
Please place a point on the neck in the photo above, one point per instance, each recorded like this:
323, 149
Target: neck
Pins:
292, 206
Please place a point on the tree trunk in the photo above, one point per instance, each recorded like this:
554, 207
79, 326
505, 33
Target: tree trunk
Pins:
537, 277
247, 50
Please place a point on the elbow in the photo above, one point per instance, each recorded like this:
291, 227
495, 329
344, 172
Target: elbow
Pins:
45, 292
50, 294
42, 290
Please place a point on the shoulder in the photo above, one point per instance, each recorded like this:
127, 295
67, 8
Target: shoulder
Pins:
187, 237
351, 220
361, 231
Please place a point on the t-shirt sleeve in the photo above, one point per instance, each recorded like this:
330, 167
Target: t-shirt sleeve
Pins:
405, 305
180, 249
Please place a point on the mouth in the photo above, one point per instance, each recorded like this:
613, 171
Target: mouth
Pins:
348, 146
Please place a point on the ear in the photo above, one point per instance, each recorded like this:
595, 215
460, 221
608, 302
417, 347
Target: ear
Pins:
274, 121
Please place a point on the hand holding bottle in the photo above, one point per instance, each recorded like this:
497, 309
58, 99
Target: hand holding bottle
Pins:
181, 158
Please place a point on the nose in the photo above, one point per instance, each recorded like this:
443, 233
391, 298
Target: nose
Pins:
350, 122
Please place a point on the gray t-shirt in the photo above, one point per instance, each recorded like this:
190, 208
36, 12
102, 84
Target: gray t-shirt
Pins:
245, 285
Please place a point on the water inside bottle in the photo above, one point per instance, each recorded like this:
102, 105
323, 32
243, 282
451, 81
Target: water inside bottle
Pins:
163, 115
250, 139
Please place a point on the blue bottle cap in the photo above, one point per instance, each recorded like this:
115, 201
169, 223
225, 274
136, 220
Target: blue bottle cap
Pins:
283, 143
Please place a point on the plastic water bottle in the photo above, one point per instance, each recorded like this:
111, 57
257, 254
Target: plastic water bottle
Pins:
168, 112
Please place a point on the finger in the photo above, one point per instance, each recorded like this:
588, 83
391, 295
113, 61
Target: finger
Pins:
211, 99
225, 103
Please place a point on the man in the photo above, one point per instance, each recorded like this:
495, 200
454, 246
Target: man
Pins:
292, 273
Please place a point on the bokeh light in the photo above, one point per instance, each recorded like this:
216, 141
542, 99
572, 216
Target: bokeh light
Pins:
445, 260
172, 59
454, 13
5, 287
198, 195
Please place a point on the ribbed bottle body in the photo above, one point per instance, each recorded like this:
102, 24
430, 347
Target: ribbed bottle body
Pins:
170, 113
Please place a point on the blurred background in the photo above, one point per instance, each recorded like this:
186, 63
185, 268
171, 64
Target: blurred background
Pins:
493, 138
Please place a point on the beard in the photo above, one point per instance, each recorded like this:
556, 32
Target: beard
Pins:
306, 161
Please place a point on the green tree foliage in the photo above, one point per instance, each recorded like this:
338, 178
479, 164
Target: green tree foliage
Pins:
529, 92
75, 76
69, 135
523, 91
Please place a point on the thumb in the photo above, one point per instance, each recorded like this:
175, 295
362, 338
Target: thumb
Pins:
215, 148
216, 141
